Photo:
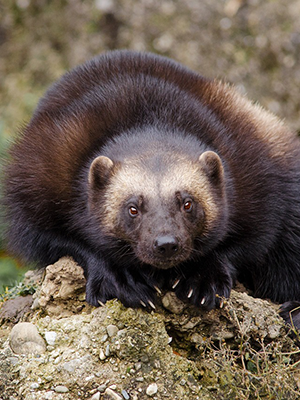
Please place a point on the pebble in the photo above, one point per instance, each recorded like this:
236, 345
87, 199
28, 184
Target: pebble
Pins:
50, 338
125, 395
113, 387
111, 395
72, 365
24, 338
57, 360
274, 331
48, 395
172, 303
61, 389
138, 366
55, 353
102, 388
104, 338
112, 330
34, 385
144, 358
102, 356
151, 389
12, 360
95, 396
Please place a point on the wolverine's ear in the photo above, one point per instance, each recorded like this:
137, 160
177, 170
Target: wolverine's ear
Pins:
100, 171
212, 165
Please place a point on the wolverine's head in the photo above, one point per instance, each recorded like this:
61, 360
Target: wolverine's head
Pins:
161, 200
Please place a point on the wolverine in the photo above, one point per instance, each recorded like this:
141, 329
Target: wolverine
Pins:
154, 178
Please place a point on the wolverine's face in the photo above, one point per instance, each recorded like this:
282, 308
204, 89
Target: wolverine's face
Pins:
160, 205
161, 229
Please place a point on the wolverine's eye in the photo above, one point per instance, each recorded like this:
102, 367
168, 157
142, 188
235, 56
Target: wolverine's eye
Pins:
133, 211
188, 205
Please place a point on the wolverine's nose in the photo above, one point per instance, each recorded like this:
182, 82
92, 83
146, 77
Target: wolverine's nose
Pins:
166, 246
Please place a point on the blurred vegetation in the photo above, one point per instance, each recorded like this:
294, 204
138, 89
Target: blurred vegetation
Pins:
10, 273
255, 44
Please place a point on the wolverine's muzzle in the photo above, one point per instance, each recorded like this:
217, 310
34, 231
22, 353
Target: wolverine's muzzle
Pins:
165, 247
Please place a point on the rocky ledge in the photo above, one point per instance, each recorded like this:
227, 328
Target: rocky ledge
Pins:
54, 346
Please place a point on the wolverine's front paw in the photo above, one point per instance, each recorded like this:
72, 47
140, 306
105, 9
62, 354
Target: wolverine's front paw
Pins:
139, 295
203, 291
135, 294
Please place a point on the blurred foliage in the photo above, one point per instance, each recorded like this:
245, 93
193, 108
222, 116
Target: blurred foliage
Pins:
255, 44
10, 273
14, 288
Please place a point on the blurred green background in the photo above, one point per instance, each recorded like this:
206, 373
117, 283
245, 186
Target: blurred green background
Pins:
254, 44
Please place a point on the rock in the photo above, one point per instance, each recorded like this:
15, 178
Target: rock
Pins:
14, 309
274, 331
140, 353
61, 389
50, 338
102, 388
109, 394
72, 365
125, 395
173, 304
107, 351
34, 385
48, 395
63, 281
102, 355
151, 389
95, 396
25, 339
112, 330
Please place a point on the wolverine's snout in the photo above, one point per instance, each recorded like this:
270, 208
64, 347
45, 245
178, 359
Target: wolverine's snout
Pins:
166, 246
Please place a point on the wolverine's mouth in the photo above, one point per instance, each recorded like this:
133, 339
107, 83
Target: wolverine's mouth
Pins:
166, 263
162, 260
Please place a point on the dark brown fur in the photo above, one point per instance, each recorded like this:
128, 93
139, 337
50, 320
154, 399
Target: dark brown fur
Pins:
168, 136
